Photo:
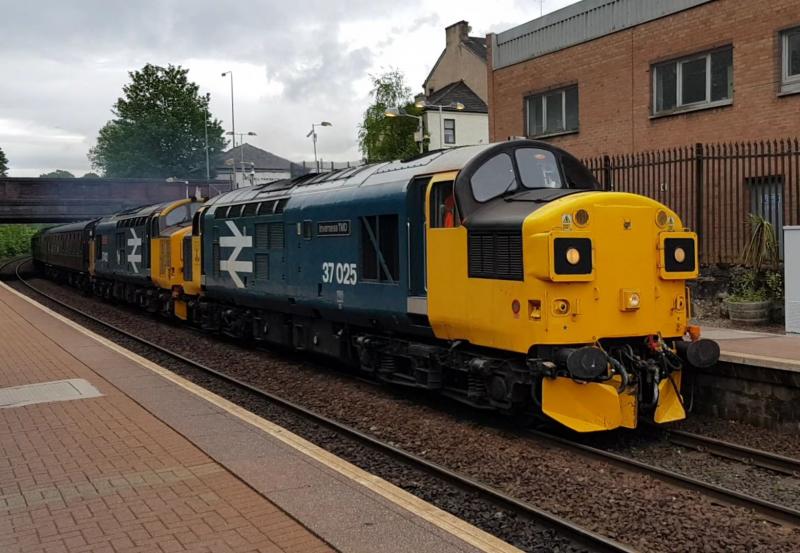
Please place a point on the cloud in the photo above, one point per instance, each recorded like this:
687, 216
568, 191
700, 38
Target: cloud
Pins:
294, 63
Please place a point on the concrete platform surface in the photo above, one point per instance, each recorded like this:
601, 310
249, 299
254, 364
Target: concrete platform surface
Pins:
127, 456
762, 349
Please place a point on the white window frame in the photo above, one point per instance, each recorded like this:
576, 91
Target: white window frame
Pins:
543, 97
680, 106
444, 130
789, 83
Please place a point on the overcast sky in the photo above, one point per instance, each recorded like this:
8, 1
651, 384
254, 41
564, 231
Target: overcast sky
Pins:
64, 64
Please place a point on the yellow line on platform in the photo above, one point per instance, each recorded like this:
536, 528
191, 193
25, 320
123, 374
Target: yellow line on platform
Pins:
449, 523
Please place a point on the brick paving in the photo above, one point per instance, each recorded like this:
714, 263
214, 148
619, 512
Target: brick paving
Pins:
105, 475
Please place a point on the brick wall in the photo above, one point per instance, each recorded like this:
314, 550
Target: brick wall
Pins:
614, 78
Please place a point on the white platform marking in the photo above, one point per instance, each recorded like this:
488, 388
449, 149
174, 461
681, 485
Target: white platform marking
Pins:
47, 392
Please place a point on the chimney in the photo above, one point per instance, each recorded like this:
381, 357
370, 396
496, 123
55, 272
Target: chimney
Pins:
456, 33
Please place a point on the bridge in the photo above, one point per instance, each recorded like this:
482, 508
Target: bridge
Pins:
46, 200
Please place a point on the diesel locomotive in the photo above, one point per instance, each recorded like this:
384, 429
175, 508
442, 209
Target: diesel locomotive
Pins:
500, 275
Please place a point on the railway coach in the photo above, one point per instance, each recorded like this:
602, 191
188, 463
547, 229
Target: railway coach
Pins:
500, 275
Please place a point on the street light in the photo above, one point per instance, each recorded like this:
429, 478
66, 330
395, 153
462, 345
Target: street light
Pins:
205, 125
241, 136
233, 119
186, 182
398, 112
422, 104
313, 134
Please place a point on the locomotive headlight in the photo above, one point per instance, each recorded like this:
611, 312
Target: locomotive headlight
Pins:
573, 256
680, 255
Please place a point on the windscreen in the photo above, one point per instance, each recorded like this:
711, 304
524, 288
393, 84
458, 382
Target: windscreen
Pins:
538, 168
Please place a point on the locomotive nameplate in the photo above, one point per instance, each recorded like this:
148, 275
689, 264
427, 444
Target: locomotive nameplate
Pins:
333, 228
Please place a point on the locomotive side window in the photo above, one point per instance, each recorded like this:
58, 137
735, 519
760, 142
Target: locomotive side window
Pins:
493, 178
380, 249
538, 168
443, 206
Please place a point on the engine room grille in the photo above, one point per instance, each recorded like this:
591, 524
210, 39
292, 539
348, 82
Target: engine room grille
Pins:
495, 254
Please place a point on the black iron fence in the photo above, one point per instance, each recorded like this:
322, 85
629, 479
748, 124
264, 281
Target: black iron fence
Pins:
713, 187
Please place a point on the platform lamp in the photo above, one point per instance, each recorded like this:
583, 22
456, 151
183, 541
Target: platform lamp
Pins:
422, 104
313, 134
399, 112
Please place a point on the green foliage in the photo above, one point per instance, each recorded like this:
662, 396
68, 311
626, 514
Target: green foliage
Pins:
91, 175
16, 239
58, 174
3, 164
759, 278
159, 128
762, 248
382, 138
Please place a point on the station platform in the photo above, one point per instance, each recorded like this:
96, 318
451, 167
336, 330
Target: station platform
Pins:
102, 450
760, 349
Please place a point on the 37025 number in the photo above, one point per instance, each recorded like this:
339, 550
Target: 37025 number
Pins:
341, 273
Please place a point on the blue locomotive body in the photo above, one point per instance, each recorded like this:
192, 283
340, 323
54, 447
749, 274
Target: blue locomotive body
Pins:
328, 248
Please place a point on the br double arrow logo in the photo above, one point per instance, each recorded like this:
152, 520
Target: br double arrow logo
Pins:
232, 265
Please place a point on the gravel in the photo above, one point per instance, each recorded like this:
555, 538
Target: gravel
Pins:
638, 510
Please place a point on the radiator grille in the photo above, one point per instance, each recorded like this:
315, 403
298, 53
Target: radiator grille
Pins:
496, 255
276, 235
262, 235
215, 259
262, 266
187, 258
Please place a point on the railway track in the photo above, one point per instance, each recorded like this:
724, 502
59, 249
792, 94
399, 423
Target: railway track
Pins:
735, 452
592, 541
769, 510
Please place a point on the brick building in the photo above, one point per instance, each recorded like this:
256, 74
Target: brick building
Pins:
620, 76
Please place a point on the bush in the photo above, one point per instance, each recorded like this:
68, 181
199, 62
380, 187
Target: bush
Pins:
16, 239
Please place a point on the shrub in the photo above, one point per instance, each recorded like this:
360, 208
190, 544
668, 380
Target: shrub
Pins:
16, 239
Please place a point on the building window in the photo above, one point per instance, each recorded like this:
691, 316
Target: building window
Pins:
449, 131
790, 60
553, 112
696, 81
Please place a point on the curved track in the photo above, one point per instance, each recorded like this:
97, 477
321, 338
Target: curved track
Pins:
591, 540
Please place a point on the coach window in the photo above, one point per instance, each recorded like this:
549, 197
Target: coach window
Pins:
694, 82
553, 112
790, 60
443, 206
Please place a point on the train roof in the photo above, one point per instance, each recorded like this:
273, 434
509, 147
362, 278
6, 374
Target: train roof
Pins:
69, 227
438, 161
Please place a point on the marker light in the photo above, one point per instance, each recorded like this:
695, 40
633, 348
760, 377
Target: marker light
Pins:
573, 256
633, 301
680, 255
661, 218
581, 217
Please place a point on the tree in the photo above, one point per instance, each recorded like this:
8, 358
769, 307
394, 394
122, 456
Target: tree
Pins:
3, 164
90, 175
159, 128
57, 174
384, 138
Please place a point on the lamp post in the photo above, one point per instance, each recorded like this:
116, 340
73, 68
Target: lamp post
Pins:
241, 136
399, 112
313, 134
205, 126
233, 119
186, 182
452, 105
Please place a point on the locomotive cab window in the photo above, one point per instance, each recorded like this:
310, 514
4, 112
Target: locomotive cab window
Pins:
493, 178
443, 206
380, 249
537, 168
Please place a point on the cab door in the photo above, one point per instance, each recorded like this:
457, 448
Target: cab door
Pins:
446, 258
